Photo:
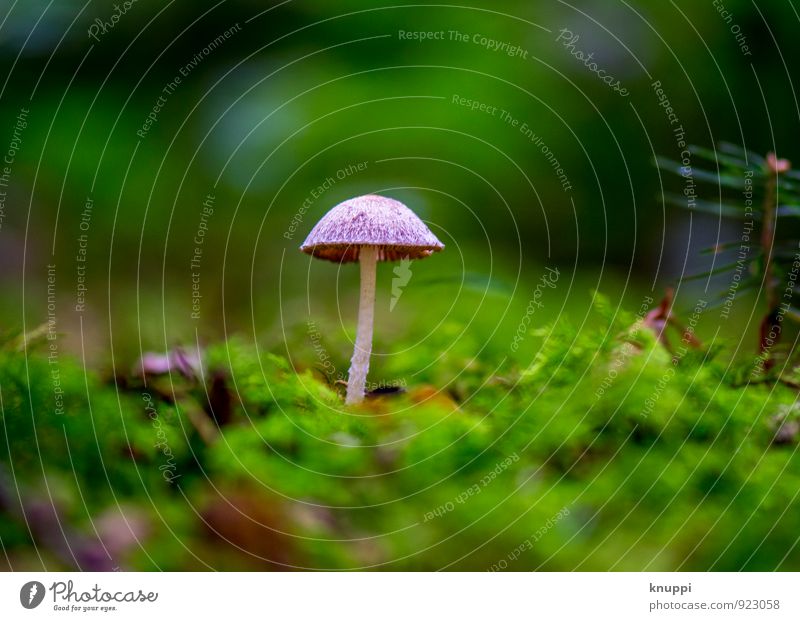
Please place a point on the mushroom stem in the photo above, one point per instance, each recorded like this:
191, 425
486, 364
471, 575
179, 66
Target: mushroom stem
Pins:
359, 364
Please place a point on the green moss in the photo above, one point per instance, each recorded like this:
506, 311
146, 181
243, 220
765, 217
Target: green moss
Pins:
598, 453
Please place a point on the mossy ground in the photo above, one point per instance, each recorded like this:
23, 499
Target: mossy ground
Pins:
596, 452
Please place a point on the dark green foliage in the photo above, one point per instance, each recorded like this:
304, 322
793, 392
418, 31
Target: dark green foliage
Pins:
764, 195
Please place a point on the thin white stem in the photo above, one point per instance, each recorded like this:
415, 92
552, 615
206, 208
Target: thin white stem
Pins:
359, 365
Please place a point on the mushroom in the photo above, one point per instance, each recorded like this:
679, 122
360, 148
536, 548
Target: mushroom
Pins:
368, 229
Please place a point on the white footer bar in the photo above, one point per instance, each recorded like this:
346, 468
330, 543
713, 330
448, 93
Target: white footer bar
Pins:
388, 596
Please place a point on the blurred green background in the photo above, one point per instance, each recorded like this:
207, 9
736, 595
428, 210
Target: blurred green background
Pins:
300, 91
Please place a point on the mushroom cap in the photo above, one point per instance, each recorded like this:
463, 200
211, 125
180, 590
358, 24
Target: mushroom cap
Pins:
370, 220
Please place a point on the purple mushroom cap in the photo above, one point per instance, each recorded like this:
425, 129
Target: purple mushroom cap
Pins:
370, 220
